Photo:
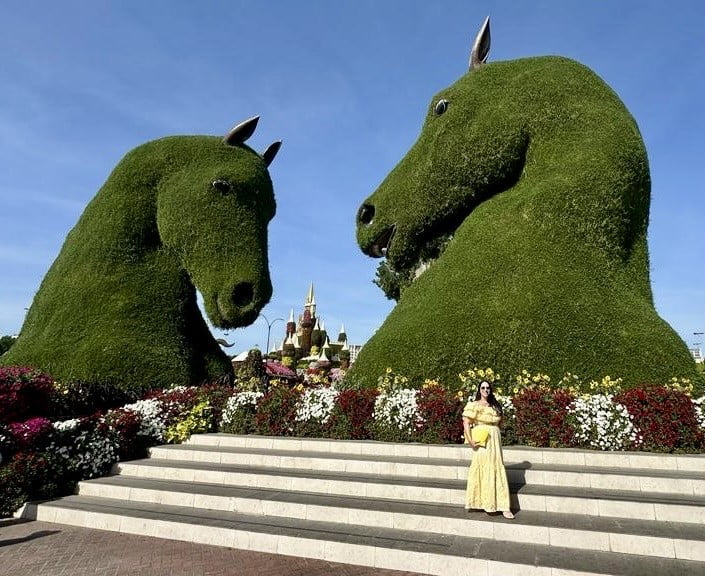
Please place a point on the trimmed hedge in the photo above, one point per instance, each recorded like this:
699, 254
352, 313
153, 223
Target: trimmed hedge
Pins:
119, 302
540, 172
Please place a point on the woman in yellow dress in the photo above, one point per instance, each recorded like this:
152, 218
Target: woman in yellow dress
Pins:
488, 488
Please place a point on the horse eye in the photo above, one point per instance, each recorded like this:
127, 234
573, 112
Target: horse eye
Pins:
222, 186
441, 106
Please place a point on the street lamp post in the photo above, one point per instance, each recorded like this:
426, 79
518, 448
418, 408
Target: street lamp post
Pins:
269, 329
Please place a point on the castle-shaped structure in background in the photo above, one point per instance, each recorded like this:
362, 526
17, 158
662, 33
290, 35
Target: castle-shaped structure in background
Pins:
306, 339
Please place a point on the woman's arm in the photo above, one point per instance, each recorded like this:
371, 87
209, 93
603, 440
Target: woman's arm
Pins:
466, 430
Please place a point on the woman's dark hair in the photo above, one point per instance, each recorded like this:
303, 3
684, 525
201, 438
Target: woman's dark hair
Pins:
491, 400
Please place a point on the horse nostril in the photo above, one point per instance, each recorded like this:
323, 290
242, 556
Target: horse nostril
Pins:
243, 294
366, 214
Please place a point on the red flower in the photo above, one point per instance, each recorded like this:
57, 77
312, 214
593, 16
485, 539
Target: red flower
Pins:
665, 418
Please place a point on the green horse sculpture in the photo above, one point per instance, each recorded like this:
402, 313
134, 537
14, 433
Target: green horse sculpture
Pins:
119, 303
525, 203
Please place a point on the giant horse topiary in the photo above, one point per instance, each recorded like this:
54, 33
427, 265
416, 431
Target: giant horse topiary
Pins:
119, 303
530, 186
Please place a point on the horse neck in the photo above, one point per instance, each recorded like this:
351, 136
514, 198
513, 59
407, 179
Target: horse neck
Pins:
121, 219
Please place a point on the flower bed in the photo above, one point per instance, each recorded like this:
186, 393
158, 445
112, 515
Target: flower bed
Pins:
45, 456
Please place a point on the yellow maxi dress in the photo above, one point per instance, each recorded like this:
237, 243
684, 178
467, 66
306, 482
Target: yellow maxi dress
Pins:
488, 488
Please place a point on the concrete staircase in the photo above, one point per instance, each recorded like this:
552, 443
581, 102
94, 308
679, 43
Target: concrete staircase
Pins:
400, 506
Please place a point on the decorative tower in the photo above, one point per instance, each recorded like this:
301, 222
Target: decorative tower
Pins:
316, 338
344, 356
291, 325
311, 301
306, 321
288, 352
324, 359
342, 336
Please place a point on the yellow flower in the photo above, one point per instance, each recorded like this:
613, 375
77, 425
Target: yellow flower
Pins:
300, 387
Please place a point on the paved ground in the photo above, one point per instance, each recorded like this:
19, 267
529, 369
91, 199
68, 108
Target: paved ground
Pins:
31, 548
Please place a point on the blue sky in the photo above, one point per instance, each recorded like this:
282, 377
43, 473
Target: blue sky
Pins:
345, 84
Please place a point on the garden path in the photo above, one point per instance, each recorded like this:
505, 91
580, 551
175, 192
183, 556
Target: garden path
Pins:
45, 549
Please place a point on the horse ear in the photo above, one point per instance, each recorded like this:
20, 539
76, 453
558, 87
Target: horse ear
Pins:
241, 132
481, 47
271, 152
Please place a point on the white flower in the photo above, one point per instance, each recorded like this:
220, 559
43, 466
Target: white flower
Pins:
316, 404
239, 401
398, 409
87, 453
699, 410
603, 423
152, 420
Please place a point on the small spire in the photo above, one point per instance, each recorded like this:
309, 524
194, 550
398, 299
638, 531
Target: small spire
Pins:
291, 315
323, 325
317, 326
309, 299
295, 341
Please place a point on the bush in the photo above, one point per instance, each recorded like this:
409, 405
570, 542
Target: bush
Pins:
28, 476
351, 417
395, 417
128, 426
276, 411
602, 423
82, 448
217, 395
238, 416
508, 424
440, 413
34, 434
314, 411
542, 418
666, 418
82, 398
24, 392
196, 421
175, 402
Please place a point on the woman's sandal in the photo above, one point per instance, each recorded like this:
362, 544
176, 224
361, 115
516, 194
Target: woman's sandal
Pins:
508, 515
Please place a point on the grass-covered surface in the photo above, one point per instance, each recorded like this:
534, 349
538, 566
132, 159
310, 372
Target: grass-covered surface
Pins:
119, 302
540, 172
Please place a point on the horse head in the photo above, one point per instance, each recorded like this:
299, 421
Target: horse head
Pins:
519, 126
212, 213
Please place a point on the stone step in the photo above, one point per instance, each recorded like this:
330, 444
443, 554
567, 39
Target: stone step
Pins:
643, 537
561, 456
380, 547
530, 497
526, 472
